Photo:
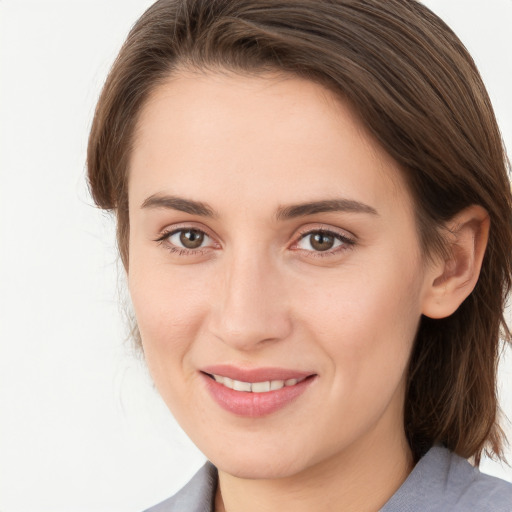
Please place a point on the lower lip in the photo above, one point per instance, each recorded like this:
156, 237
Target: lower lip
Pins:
254, 405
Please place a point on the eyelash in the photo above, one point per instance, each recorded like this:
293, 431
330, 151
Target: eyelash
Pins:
347, 243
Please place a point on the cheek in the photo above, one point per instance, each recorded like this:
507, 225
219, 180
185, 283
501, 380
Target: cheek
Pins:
366, 320
169, 308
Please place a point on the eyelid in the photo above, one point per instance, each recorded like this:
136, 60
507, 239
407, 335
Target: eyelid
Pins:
183, 226
323, 228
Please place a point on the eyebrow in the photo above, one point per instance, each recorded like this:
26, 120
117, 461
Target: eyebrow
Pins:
283, 213
328, 205
180, 204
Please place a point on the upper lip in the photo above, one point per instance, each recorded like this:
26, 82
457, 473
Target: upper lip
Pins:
255, 374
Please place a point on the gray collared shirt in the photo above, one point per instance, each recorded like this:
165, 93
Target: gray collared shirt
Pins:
441, 481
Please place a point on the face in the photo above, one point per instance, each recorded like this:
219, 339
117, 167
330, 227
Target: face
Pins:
273, 250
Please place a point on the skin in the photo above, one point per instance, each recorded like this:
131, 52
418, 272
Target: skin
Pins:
257, 293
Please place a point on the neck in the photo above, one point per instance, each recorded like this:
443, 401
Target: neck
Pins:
361, 478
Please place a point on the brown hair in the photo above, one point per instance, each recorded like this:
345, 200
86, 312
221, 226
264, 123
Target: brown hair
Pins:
417, 90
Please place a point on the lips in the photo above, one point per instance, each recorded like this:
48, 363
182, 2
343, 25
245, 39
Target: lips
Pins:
257, 391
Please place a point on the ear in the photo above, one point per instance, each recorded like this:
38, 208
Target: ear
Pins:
450, 281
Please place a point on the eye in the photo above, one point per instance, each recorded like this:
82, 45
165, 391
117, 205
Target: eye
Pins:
185, 240
188, 238
323, 241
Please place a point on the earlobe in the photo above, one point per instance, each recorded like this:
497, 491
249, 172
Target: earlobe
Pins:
449, 281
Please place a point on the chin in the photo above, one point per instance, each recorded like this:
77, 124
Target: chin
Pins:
256, 466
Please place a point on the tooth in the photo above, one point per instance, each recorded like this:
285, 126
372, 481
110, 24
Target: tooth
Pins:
260, 387
241, 386
276, 384
255, 387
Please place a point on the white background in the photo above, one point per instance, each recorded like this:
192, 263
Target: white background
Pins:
81, 427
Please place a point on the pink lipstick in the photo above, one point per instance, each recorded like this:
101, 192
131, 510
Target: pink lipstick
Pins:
254, 392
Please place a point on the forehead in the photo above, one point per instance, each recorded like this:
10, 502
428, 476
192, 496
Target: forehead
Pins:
276, 137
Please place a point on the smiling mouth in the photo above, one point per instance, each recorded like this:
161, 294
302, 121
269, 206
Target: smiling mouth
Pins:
255, 387
251, 396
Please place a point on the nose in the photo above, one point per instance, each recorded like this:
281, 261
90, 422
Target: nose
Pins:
251, 307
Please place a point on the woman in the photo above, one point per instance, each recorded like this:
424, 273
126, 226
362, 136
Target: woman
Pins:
315, 219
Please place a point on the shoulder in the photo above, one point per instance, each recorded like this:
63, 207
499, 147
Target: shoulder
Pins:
197, 496
443, 481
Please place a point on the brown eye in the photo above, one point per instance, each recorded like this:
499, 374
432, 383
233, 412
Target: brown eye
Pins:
191, 238
187, 241
322, 241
